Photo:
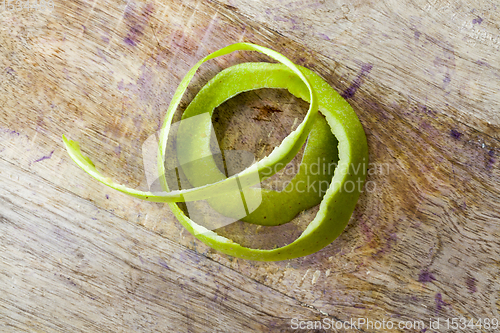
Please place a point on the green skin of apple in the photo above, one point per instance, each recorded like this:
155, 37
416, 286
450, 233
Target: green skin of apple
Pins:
338, 203
276, 207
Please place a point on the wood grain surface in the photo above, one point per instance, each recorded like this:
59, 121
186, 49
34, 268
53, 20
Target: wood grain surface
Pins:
423, 243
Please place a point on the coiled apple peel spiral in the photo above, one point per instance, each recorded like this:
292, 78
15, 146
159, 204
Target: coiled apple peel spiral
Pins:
339, 123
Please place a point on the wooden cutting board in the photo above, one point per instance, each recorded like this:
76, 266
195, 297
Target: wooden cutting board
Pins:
422, 244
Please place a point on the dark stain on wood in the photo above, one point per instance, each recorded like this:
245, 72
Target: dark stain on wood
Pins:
265, 112
136, 23
349, 92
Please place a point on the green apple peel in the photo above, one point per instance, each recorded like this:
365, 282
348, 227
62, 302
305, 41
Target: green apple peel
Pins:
337, 204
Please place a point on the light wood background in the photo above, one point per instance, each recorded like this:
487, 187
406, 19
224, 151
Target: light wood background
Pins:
423, 242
